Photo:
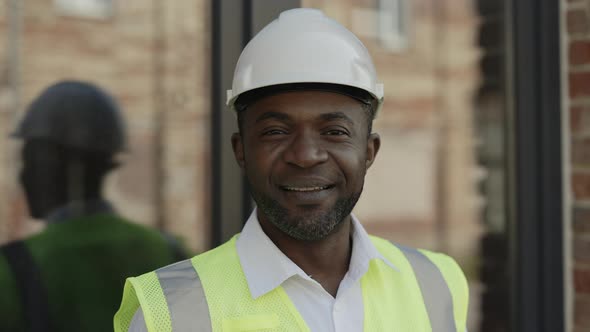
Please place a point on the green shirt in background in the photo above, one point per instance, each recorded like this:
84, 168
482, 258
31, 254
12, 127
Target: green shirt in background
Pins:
83, 264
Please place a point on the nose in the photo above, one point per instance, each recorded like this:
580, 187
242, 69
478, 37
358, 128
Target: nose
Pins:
305, 151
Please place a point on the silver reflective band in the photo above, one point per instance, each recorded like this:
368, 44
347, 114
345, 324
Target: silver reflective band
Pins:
185, 297
138, 322
435, 291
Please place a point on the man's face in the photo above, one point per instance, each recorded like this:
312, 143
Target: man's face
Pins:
305, 155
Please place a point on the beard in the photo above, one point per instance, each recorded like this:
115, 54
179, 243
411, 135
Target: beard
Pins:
309, 225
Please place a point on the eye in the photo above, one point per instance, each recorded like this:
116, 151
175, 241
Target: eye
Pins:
273, 132
336, 132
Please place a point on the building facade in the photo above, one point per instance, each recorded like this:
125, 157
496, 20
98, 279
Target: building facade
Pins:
485, 129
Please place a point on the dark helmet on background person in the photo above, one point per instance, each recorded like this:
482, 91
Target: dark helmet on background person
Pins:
75, 114
72, 132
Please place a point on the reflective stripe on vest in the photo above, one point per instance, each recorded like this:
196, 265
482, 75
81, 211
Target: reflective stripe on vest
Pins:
435, 291
189, 311
185, 297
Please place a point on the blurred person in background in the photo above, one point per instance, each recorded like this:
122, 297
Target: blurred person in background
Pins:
69, 277
306, 93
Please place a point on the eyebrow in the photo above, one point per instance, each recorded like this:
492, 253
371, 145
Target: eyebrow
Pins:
336, 116
284, 117
272, 115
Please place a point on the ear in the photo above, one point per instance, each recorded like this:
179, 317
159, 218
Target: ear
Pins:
373, 145
238, 147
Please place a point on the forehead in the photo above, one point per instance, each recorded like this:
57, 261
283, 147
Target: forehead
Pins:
306, 104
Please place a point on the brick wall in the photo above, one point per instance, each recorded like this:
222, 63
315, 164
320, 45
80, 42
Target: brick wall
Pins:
424, 173
153, 57
421, 191
577, 22
155, 61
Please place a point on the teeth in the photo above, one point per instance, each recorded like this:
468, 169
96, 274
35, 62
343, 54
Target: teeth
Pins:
306, 188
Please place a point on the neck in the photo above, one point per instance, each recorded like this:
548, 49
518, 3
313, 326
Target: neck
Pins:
325, 260
67, 198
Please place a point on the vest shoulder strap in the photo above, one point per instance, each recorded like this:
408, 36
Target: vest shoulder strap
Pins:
435, 291
28, 279
185, 297
169, 299
442, 284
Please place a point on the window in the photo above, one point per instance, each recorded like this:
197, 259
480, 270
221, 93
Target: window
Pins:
97, 9
393, 23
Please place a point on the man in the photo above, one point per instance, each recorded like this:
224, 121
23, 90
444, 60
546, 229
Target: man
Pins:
69, 277
305, 93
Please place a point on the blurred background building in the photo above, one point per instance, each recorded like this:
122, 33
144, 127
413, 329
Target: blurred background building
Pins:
154, 57
485, 99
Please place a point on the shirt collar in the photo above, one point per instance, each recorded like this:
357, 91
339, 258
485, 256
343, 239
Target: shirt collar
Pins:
363, 251
266, 267
77, 209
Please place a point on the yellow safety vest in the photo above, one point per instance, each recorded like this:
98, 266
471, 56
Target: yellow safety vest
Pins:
210, 293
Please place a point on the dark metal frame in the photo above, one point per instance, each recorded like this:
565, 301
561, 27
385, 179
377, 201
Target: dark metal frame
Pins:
537, 238
215, 122
226, 44
233, 25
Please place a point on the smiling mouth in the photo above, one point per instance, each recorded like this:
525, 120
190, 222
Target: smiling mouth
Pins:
306, 189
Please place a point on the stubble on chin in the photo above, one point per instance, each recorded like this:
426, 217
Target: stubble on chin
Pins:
308, 225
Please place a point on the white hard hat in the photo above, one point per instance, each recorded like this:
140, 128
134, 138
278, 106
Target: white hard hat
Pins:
304, 46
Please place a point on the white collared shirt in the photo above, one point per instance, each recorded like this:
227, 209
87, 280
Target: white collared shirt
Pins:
266, 268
